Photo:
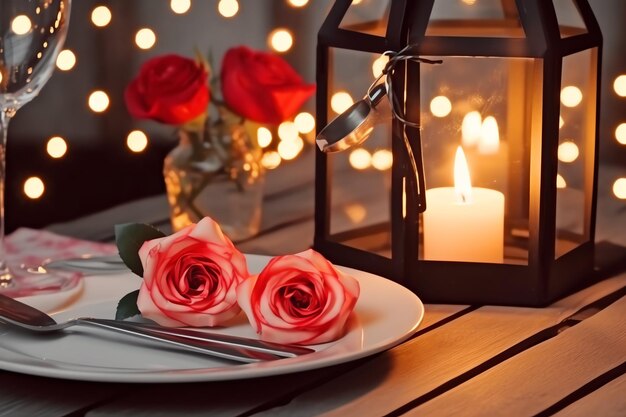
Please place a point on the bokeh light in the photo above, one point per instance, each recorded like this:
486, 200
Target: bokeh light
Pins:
341, 101
280, 40
98, 101
137, 141
568, 152
289, 149
180, 6
619, 85
101, 16
440, 106
298, 3
305, 122
264, 137
356, 212
561, 122
379, 65
360, 159
471, 128
571, 96
145, 38
56, 147
620, 133
66, 60
21, 25
271, 160
619, 188
34, 187
228, 8
560, 181
382, 159
287, 131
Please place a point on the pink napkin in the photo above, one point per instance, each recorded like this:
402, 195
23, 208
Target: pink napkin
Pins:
31, 247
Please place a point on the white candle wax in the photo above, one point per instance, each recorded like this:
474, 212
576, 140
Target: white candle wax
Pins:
464, 223
464, 231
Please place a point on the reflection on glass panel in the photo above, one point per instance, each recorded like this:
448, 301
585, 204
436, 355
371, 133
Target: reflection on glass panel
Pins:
367, 16
570, 21
490, 18
575, 151
360, 176
488, 120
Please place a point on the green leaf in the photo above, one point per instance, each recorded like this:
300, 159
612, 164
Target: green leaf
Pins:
129, 237
127, 307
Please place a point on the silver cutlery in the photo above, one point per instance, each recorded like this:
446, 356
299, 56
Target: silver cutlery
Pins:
234, 348
89, 264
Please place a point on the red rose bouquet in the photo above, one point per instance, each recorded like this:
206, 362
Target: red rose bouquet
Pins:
218, 168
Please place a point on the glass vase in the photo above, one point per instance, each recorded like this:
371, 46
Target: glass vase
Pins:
216, 172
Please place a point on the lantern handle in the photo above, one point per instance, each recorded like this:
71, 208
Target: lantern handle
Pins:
417, 164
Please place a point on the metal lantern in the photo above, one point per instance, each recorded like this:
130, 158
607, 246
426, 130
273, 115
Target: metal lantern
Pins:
489, 111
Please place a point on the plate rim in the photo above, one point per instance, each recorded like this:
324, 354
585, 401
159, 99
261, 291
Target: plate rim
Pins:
63, 370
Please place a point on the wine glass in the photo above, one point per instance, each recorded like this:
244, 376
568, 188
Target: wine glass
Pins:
32, 33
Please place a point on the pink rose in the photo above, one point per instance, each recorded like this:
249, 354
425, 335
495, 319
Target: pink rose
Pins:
300, 299
190, 278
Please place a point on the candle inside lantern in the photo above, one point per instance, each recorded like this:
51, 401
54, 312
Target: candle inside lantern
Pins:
464, 223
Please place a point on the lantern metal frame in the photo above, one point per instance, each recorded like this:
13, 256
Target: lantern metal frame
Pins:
545, 278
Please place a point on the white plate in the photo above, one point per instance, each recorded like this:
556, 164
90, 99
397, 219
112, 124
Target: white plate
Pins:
385, 315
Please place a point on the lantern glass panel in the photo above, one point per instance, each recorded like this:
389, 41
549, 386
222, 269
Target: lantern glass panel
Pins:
490, 108
489, 18
570, 21
367, 16
576, 151
360, 178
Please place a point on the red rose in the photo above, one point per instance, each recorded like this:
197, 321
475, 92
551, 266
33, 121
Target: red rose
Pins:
301, 299
190, 278
262, 87
170, 89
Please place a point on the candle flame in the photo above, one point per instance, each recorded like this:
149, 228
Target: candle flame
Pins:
489, 137
462, 181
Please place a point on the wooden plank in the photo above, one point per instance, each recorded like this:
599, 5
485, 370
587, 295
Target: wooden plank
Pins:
25, 395
227, 398
608, 401
423, 364
532, 381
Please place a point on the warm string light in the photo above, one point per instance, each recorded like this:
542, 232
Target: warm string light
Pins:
228, 8
137, 141
281, 40
341, 101
66, 60
21, 25
568, 152
560, 182
264, 137
145, 38
56, 147
298, 3
619, 188
360, 159
305, 122
619, 85
620, 134
101, 16
34, 188
440, 106
180, 6
571, 96
98, 101
271, 160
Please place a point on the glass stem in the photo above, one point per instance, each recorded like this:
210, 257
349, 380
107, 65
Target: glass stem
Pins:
5, 117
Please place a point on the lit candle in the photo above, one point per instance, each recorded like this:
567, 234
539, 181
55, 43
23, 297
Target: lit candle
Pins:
464, 223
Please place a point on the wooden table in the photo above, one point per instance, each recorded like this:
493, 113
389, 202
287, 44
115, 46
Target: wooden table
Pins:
568, 359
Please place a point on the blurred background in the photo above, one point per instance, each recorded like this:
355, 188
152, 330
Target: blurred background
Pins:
75, 150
